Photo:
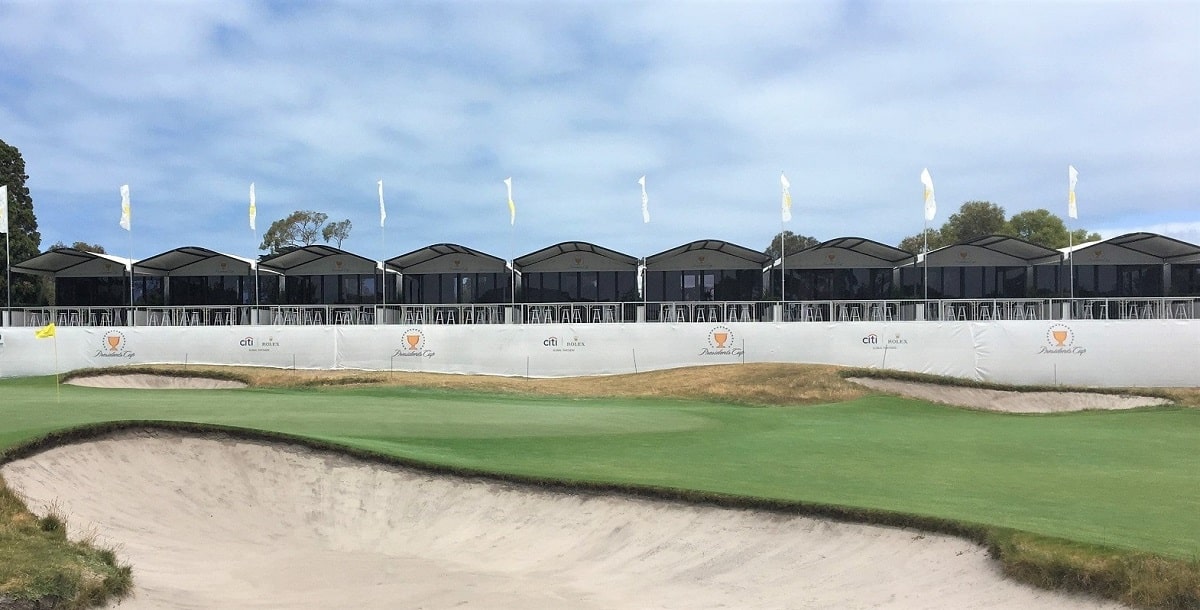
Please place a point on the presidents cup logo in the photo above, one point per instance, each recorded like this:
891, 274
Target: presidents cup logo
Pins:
720, 343
414, 345
1060, 339
112, 345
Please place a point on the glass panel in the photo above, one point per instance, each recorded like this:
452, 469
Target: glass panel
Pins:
1185, 280
969, 281
606, 286
485, 288
589, 285
570, 286
466, 288
1107, 281
431, 288
347, 289
268, 289
627, 289
672, 283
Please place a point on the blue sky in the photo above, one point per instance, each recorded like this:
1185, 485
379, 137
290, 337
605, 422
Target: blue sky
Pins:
190, 102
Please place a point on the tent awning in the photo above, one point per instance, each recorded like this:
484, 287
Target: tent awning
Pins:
570, 255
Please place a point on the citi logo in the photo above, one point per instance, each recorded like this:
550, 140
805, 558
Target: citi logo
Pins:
551, 342
870, 339
247, 342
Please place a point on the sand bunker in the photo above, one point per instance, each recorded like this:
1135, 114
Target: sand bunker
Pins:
1007, 401
220, 523
155, 382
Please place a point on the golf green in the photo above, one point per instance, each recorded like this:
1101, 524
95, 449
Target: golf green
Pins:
1127, 479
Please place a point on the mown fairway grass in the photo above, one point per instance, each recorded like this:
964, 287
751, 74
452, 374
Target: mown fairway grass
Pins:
1120, 479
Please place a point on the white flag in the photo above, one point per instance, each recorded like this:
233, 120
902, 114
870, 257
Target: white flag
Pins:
512, 207
4, 210
787, 197
382, 210
930, 203
1072, 178
125, 211
253, 210
645, 201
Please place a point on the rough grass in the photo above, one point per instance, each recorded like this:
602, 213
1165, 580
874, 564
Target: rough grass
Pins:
1136, 578
40, 567
770, 384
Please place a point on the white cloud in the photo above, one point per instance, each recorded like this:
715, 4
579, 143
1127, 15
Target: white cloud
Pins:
191, 101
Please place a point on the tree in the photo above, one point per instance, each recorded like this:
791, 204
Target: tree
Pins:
916, 244
336, 230
1079, 236
791, 244
301, 228
80, 245
1040, 227
982, 218
24, 239
974, 219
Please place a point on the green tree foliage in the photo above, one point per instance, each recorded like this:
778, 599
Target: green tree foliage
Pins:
24, 239
974, 219
916, 244
338, 231
80, 245
790, 243
302, 228
981, 218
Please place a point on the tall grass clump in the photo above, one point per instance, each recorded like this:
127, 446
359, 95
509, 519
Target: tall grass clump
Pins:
41, 568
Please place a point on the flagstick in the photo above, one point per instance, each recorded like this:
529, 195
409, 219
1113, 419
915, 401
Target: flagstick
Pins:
7, 257
8, 271
57, 394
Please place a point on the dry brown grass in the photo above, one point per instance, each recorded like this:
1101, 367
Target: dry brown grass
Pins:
769, 384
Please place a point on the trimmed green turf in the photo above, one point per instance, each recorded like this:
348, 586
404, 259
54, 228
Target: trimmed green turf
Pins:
1123, 479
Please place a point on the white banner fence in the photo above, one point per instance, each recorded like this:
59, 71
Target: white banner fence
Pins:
1105, 353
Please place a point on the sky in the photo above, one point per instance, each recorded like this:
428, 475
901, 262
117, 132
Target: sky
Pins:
188, 102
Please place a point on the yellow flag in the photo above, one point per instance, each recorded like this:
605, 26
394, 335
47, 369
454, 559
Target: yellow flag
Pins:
46, 331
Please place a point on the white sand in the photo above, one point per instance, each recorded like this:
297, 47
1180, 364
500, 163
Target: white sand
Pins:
142, 381
1008, 401
215, 523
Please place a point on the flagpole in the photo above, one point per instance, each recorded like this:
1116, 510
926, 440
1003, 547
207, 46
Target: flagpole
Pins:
512, 263
782, 264
930, 212
1071, 261
131, 314
925, 257
1072, 212
383, 259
